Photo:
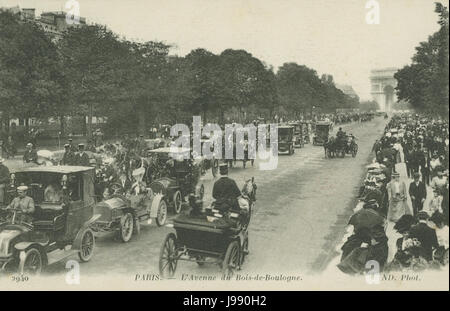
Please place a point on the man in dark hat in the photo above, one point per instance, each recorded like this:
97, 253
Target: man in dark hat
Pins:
72, 146
69, 156
82, 159
30, 155
425, 235
418, 193
226, 191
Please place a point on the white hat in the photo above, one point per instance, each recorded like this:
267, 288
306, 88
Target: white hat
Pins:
22, 188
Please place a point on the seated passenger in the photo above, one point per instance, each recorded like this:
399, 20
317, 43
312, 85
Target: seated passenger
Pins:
225, 191
52, 193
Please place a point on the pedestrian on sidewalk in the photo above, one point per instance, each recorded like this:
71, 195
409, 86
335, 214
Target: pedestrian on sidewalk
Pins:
425, 168
418, 193
397, 198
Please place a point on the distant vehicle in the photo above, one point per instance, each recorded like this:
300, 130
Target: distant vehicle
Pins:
322, 133
286, 139
60, 224
298, 134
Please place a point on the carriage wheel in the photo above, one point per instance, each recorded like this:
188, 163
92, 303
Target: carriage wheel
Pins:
215, 168
126, 227
161, 216
30, 262
168, 256
232, 259
87, 246
177, 201
244, 251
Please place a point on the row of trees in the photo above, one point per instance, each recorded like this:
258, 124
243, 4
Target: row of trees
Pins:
90, 71
425, 83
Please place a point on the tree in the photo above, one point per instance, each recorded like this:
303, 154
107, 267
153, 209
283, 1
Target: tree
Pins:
29, 71
90, 55
425, 83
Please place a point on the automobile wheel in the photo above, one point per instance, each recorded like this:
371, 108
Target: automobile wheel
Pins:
177, 202
87, 246
30, 262
126, 227
168, 256
161, 216
231, 259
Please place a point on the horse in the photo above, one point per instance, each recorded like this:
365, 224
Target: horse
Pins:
248, 198
330, 147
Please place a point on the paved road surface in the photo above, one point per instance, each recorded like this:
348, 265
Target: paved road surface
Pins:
301, 210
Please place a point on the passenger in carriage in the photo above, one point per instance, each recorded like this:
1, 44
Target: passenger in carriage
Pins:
226, 191
53, 193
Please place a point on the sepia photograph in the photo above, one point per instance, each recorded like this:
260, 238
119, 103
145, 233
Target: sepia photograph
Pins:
224, 145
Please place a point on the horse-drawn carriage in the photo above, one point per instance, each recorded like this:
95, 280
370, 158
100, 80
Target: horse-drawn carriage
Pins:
322, 133
286, 139
63, 198
340, 146
212, 236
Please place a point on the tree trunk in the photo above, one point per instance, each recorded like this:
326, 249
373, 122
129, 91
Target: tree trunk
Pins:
62, 125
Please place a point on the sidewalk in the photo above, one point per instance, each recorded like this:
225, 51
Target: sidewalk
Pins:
392, 235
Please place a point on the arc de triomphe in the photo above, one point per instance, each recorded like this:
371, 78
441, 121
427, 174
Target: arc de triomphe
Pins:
383, 86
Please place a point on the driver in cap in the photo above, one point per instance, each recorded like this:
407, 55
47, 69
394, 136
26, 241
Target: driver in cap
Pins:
23, 203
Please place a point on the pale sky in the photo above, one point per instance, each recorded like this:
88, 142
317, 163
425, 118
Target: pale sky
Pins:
330, 36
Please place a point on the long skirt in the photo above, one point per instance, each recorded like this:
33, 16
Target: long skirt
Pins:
397, 209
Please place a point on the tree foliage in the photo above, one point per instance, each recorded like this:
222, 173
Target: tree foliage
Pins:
425, 83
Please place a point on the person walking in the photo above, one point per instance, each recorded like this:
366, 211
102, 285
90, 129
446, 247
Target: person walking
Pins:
397, 198
418, 193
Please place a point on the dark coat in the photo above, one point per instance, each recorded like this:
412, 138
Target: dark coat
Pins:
69, 158
82, 159
427, 238
30, 156
225, 188
4, 174
418, 192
